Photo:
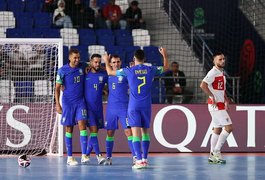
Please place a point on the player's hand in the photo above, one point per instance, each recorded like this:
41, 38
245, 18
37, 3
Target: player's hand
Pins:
162, 51
62, 88
214, 105
88, 69
106, 58
59, 109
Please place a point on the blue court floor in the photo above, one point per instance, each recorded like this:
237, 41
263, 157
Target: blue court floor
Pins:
161, 166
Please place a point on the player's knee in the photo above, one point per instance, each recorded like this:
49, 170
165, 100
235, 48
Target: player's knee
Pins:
229, 128
128, 132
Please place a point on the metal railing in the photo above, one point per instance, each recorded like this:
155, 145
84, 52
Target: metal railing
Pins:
193, 86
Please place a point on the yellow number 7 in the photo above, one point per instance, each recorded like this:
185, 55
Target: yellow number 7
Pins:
140, 85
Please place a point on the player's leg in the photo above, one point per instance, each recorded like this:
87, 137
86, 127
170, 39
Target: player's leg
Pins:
109, 146
81, 116
224, 120
214, 138
145, 145
146, 117
128, 133
69, 146
68, 122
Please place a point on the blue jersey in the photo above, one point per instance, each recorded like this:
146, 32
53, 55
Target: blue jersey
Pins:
94, 84
73, 81
118, 91
140, 78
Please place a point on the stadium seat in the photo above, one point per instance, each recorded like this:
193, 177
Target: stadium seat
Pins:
152, 55
142, 40
15, 5
65, 55
3, 5
105, 32
70, 36
87, 37
32, 33
129, 52
98, 49
139, 32
42, 89
83, 52
116, 50
105, 40
24, 20
51, 33
7, 93
102, 3
42, 20
7, 19
24, 91
14, 33
33, 6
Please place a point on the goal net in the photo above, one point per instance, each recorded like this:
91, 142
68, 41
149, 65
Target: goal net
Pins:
28, 122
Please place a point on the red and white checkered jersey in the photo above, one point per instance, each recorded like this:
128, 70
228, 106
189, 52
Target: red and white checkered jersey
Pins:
216, 83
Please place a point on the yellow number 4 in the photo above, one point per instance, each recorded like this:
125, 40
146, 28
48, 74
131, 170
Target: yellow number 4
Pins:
142, 84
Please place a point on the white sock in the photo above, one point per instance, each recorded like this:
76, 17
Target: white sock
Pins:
214, 139
221, 140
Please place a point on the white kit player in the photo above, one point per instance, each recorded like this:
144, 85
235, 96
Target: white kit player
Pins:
214, 85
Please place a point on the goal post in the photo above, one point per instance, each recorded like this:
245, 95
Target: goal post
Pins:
29, 123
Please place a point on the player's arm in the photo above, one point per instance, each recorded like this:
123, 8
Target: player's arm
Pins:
57, 98
204, 87
58, 86
163, 52
109, 70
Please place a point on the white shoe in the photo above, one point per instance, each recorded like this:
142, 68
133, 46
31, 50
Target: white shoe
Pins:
101, 159
138, 165
108, 161
85, 159
134, 160
218, 158
71, 161
145, 163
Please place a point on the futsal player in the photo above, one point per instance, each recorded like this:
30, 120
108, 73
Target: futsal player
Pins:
71, 77
140, 78
117, 108
214, 85
95, 81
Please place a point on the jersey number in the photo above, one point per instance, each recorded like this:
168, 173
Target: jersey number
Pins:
220, 85
96, 86
84, 113
77, 79
113, 86
142, 84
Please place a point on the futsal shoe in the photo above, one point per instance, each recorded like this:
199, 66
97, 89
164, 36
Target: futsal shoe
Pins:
138, 165
134, 160
211, 159
85, 159
101, 159
108, 161
145, 163
218, 158
71, 161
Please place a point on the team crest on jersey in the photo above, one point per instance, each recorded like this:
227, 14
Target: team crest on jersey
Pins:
120, 78
81, 71
63, 119
100, 78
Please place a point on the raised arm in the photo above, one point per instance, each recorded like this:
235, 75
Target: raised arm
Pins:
110, 71
163, 52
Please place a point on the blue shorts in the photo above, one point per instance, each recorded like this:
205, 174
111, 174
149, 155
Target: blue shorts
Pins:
139, 118
95, 118
114, 114
72, 113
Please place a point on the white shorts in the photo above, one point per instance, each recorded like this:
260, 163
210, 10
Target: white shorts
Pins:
220, 118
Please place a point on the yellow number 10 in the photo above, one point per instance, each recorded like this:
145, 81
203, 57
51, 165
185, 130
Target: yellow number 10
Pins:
140, 85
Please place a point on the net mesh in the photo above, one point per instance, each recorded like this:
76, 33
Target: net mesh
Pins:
26, 97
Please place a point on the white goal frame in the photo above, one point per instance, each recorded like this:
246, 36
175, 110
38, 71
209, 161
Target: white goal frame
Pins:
57, 133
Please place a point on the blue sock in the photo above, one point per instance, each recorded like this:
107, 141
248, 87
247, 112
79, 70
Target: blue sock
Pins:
83, 141
145, 144
137, 147
109, 146
89, 148
94, 142
68, 143
130, 138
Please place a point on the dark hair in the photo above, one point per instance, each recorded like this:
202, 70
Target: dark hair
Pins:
217, 53
139, 54
73, 51
114, 56
134, 3
174, 62
95, 56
